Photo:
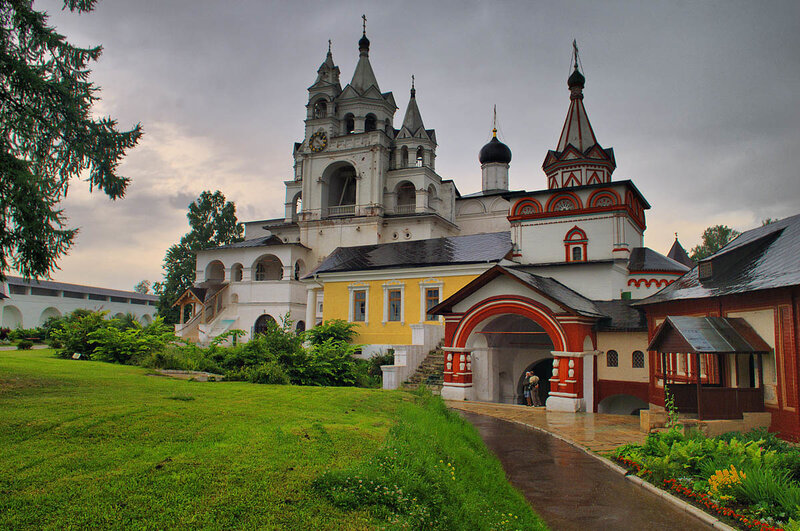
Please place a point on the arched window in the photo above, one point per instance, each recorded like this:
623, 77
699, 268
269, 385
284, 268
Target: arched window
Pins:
299, 269
370, 123
637, 359
339, 192
215, 271
404, 157
612, 358
406, 198
237, 273
320, 109
575, 243
301, 327
349, 124
268, 267
262, 323
297, 205
420, 156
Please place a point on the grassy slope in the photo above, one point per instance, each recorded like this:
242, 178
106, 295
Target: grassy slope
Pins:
89, 444
93, 444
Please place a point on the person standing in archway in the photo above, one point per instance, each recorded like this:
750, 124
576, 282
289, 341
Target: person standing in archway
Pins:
534, 396
526, 388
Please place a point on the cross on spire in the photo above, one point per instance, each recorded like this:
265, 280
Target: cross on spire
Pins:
413, 89
494, 123
329, 46
364, 19
575, 52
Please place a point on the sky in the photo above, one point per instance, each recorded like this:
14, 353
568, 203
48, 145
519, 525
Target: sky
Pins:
700, 101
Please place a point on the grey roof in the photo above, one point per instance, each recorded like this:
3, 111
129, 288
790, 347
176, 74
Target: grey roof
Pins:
725, 335
490, 247
762, 258
620, 317
559, 292
261, 241
646, 259
78, 288
678, 253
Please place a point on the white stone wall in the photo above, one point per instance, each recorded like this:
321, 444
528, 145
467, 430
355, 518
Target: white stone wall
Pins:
30, 311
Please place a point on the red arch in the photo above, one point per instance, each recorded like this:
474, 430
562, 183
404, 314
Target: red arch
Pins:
575, 231
597, 194
564, 195
517, 210
506, 304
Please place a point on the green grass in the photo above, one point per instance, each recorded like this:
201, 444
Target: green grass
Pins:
90, 444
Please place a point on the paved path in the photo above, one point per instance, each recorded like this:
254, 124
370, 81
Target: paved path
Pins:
572, 490
599, 433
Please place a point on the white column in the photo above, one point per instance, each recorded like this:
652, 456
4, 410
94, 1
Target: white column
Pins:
311, 308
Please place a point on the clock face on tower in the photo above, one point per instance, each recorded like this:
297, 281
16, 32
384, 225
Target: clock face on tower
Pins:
318, 141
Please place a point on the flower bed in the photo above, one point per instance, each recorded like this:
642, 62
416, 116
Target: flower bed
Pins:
750, 480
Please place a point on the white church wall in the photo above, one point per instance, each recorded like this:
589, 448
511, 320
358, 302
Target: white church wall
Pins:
603, 281
542, 241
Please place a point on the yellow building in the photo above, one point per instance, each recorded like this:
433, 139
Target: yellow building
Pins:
387, 289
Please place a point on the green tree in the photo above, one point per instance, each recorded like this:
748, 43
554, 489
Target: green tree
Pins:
48, 136
213, 223
713, 239
142, 287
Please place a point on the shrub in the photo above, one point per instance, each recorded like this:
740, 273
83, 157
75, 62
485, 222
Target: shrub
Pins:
73, 333
377, 360
25, 344
335, 329
4, 334
121, 341
329, 363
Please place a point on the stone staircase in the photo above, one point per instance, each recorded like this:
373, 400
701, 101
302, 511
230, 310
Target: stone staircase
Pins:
430, 373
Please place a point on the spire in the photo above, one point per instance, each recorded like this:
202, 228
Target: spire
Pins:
678, 253
577, 129
364, 77
328, 71
413, 119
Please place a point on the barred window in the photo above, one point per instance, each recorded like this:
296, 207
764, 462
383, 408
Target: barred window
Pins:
612, 358
637, 361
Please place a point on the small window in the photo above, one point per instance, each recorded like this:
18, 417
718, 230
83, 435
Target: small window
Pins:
420, 157
395, 304
577, 255
637, 361
431, 300
612, 358
349, 124
297, 270
359, 305
370, 123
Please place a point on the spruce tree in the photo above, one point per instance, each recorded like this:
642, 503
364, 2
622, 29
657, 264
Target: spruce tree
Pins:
48, 136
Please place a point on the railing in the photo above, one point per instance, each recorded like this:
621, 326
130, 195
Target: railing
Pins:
405, 209
718, 402
341, 210
214, 306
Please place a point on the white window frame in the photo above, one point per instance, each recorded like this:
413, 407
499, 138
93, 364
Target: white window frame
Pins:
424, 285
394, 286
352, 288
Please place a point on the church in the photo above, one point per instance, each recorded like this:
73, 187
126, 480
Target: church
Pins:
500, 280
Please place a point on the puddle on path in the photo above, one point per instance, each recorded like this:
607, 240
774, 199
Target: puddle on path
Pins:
572, 490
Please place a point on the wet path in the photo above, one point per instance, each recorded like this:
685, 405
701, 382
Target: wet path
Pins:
570, 489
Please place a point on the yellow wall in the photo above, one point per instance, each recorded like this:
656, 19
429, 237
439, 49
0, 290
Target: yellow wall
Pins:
337, 305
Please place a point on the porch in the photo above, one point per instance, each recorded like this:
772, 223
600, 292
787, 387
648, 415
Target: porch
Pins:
711, 366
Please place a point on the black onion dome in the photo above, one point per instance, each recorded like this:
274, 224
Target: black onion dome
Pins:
576, 79
363, 43
494, 151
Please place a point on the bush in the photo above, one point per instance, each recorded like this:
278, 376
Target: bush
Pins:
25, 344
377, 360
335, 329
119, 341
73, 333
4, 334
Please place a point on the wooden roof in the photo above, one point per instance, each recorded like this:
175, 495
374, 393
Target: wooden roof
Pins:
707, 335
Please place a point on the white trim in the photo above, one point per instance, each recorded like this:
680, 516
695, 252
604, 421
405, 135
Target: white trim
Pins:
394, 285
583, 354
423, 299
352, 288
457, 384
408, 272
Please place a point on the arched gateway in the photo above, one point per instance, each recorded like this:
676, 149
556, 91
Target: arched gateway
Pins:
494, 331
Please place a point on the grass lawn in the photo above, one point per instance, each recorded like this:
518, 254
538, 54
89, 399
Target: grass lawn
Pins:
90, 444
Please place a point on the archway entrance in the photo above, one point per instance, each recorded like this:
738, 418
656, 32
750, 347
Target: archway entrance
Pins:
262, 323
503, 348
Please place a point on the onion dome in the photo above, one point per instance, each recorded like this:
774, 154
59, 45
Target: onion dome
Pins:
576, 79
494, 151
363, 44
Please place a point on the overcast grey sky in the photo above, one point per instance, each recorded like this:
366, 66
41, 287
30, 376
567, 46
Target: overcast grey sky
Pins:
698, 99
